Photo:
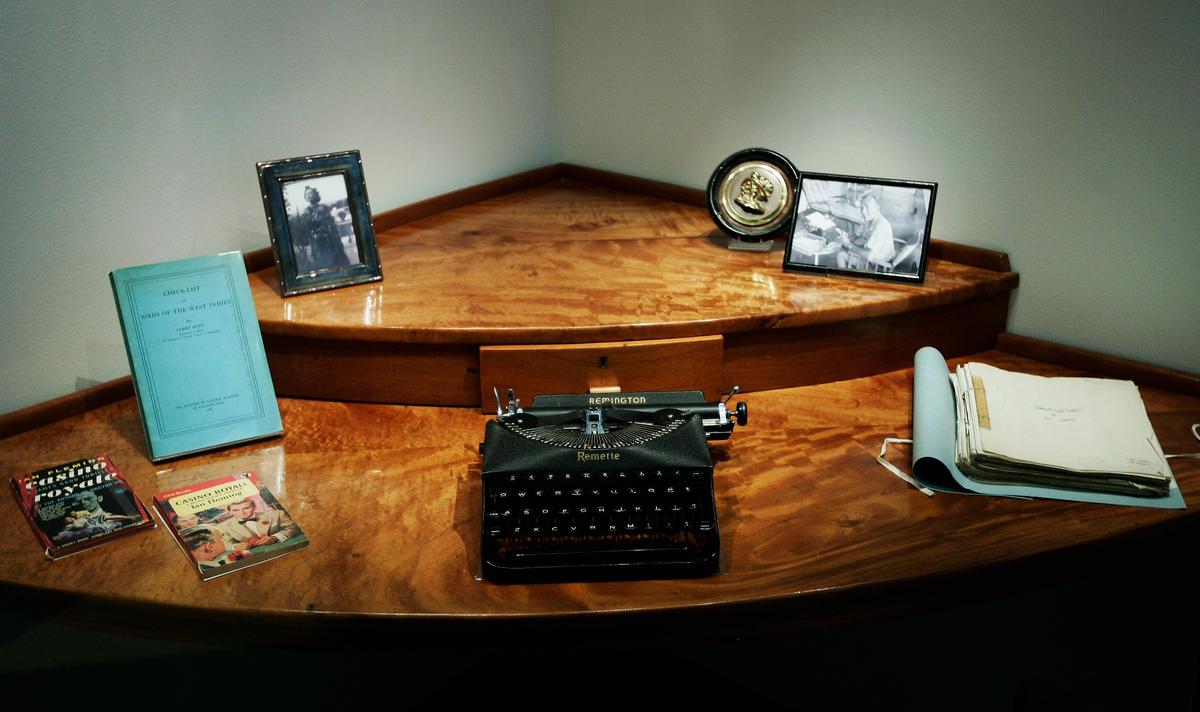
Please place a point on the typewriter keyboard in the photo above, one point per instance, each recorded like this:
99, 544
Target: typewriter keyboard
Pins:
602, 524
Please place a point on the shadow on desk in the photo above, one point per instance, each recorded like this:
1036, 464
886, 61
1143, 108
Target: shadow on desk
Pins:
1102, 641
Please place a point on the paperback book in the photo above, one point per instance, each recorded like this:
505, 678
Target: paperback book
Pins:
228, 524
78, 505
196, 354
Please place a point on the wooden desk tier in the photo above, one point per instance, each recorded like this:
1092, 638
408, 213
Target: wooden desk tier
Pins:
812, 528
566, 279
560, 280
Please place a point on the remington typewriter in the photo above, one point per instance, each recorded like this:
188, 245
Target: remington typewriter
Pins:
602, 486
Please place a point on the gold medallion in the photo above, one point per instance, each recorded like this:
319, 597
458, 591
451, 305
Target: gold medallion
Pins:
751, 194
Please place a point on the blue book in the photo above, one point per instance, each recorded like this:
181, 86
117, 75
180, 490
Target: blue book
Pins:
196, 355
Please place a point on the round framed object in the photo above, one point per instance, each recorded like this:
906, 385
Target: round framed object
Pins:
750, 194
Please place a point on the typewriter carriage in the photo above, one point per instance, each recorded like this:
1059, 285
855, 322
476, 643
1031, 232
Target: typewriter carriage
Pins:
602, 414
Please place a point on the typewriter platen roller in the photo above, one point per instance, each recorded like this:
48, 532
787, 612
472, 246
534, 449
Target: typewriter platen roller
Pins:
602, 486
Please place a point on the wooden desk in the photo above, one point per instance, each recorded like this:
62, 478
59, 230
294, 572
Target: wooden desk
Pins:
572, 257
812, 528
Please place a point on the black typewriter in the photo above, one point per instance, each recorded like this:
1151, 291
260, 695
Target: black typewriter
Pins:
602, 486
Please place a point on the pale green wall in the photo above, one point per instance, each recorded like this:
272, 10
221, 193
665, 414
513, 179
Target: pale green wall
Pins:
131, 130
1062, 133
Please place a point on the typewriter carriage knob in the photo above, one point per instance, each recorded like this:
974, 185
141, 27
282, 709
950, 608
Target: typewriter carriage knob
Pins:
741, 414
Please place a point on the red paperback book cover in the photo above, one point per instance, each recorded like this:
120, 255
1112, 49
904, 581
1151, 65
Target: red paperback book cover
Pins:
228, 524
78, 505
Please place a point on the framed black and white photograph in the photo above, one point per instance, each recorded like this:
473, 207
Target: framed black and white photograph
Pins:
319, 219
872, 227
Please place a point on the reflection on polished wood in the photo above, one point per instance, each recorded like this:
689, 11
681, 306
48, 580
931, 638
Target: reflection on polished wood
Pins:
390, 497
651, 365
569, 262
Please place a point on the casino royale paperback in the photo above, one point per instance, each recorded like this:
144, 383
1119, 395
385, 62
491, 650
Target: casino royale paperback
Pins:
78, 505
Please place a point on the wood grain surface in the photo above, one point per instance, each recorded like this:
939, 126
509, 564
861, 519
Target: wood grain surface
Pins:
390, 497
656, 364
569, 262
1109, 366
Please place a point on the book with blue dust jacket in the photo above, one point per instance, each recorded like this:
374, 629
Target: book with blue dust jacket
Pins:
196, 354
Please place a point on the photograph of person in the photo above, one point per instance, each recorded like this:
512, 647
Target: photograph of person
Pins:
319, 218
854, 225
76, 526
320, 223
195, 520
208, 548
252, 524
88, 511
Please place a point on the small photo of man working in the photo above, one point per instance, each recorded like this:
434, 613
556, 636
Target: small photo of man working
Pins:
854, 225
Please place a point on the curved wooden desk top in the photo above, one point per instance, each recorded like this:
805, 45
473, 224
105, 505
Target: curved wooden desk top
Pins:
570, 262
391, 501
559, 265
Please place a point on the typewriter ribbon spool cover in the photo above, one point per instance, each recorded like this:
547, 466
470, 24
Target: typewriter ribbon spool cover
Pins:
508, 452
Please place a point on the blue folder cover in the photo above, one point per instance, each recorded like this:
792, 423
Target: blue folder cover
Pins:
933, 446
196, 355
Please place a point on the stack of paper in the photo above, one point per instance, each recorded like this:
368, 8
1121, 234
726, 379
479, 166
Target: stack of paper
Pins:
1088, 434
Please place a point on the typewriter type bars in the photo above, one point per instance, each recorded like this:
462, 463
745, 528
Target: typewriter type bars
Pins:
576, 488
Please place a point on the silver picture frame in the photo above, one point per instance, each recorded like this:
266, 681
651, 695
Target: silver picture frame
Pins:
319, 221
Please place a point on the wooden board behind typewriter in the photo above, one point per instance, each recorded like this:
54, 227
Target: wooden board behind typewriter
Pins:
651, 365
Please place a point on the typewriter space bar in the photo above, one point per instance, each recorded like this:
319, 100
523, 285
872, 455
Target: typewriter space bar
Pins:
584, 557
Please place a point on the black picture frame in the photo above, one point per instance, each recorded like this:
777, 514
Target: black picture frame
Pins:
876, 228
319, 220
